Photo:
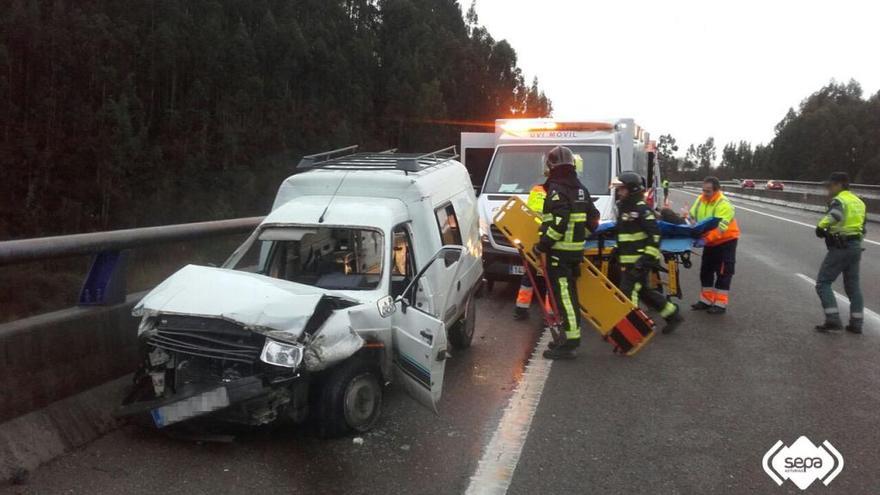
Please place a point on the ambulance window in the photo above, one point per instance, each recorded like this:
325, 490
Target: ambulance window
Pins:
448, 224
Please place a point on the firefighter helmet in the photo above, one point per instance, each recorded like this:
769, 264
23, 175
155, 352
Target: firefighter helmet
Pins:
632, 181
559, 155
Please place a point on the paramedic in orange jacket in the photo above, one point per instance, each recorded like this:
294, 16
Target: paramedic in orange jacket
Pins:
526, 291
719, 254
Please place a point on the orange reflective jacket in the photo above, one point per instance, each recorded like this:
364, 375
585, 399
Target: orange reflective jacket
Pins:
716, 206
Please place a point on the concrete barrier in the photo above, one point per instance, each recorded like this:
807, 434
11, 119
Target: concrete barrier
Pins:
62, 375
48, 357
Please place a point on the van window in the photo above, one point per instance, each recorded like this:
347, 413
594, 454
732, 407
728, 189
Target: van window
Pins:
329, 258
448, 224
516, 169
403, 265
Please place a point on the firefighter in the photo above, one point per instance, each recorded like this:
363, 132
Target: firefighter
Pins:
843, 228
638, 249
568, 216
526, 291
719, 253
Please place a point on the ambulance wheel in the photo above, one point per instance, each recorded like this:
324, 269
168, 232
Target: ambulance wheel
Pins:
462, 332
350, 399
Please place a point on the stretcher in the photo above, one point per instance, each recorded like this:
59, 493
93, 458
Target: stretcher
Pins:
609, 311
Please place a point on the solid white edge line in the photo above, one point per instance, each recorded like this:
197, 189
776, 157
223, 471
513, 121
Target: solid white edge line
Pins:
869, 315
776, 217
501, 455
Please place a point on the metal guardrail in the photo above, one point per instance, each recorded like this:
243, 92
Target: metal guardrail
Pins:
105, 282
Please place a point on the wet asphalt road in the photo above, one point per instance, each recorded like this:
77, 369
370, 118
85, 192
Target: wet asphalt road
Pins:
696, 411
693, 413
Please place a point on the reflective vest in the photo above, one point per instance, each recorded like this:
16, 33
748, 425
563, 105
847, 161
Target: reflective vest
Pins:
567, 233
716, 206
536, 198
853, 223
665, 183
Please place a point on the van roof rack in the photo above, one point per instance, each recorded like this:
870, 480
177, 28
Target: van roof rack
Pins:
349, 159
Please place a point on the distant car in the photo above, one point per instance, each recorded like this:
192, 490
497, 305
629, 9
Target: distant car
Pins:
775, 185
747, 184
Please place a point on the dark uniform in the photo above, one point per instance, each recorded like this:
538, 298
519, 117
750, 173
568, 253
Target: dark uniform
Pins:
638, 250
568, 217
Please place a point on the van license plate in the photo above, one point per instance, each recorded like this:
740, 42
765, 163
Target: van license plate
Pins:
190, 407
517, 270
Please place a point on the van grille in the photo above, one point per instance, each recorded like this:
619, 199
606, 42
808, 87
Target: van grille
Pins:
499, 238
207, 337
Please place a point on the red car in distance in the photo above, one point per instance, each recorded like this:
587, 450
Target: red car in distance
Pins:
747, 184
775, 185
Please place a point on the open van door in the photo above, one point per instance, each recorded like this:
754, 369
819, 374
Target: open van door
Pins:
477, 149
420, 338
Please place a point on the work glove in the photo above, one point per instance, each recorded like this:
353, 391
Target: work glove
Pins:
821, 233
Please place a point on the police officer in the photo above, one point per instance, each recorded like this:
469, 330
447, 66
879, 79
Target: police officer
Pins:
568, 216
526, 292
843, 228
638, 248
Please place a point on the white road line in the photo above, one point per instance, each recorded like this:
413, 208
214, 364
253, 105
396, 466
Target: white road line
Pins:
869, 315
495, 471
777, 217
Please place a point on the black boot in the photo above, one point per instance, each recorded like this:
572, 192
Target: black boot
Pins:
700, 306
673, 321
563, 351
829, 326
520, 314
717, 310
855, 326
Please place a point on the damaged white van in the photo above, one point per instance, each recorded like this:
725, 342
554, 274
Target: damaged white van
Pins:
362, 273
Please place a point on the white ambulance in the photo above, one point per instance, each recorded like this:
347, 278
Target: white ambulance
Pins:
510, 162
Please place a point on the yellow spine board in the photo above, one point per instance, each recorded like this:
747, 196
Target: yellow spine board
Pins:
610, 312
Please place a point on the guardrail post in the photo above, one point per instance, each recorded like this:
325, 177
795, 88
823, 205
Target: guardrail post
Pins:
105, 283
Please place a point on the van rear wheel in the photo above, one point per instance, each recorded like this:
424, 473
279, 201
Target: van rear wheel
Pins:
351, 399
462, 332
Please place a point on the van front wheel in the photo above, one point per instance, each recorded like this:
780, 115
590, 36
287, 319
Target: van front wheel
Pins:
462, 332
351, 398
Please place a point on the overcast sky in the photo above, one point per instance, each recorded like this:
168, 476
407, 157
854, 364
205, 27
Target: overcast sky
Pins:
726, 69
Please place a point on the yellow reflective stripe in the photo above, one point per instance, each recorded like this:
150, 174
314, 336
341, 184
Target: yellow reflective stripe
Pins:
568, 246
553, 234
657, 239
634, 297
547, 217
578, 217
638, 236
573, 331
652, 251
668, 310
629, 259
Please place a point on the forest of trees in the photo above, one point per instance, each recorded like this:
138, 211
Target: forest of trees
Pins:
835, 128
124, 113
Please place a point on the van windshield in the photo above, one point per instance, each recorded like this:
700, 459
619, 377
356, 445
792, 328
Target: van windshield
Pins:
333, 258
516, 169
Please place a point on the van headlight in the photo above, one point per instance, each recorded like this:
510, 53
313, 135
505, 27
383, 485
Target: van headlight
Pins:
281, 354
484, 231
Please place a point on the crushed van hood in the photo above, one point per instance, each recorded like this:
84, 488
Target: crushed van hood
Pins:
266, 305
